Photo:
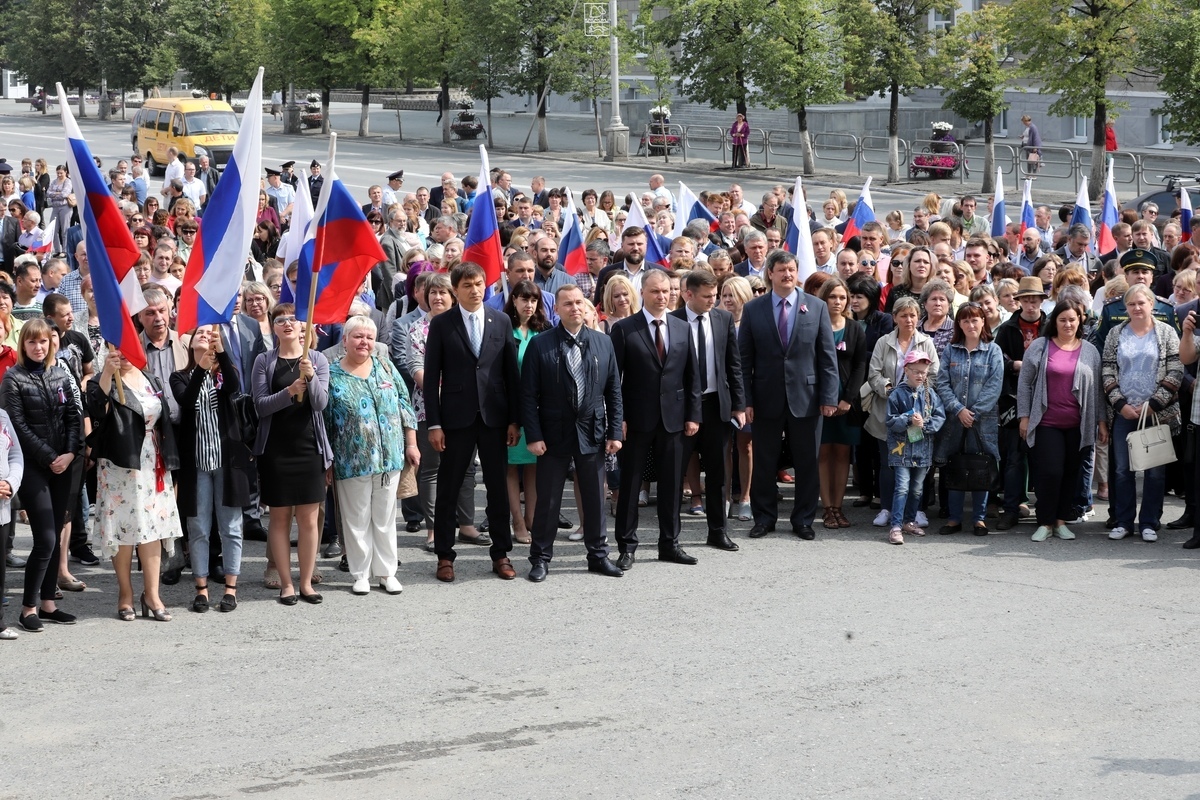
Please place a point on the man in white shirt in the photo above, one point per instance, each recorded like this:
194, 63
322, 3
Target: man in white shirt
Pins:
739, 202
283, 193
193, 187
173, 170
822, 244
391, 193
658, 186
160, 269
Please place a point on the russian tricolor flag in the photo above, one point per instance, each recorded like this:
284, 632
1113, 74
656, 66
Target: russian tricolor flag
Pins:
690, 208
637, 219
571, 256
299, 236
482, 243
217, 264
1027, 218
344, 251
799, 235
1109, 215
110, 246
864, 212
1083, 212
1185, 214
998, 224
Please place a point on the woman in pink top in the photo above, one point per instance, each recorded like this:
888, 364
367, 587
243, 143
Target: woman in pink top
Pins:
739, 134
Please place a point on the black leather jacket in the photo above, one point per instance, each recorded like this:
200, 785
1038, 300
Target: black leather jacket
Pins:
119, 430
44, 413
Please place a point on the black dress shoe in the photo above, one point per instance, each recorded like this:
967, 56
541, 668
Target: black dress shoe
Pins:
564, 523
625, 562
252, 530
605, 567
1192, 543
331, 550
805, 532
413, 527
676, 555
759, 531
1183, 522
171, 576
484, 526
537, 573
721, 541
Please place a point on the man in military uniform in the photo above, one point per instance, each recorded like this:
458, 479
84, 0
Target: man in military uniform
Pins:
315, 181
1139, 266
289, 175
391, 193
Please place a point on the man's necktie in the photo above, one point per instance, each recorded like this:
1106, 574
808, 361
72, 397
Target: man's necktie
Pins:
783, 323
473, 332
575, 364
702, 352
658, 341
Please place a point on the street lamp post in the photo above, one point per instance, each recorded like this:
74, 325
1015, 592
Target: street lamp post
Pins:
617, 134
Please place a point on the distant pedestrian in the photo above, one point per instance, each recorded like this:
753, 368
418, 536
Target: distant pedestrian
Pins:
1031, 145
739, 134
1110, 137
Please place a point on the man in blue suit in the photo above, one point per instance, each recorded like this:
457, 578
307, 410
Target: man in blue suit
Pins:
786, 341
571, 409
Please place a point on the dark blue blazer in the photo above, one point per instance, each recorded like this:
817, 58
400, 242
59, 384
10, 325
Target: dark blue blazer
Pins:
547, 396
807, 370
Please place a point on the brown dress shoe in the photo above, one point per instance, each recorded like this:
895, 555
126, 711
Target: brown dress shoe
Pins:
445, 570
504, 568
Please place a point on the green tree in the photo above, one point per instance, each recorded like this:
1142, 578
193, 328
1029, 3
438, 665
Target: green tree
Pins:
1173, 44
583, 69
219, 43
1073, 48
888, 43
803, 52
971, 64
539, 24
308, 52
134, 56
51, 41
485, 64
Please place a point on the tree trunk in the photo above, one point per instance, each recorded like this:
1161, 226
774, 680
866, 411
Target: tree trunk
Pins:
83, 111
599, 136
364, 115
989, 158
325, 124
408, 85
491, 142
894, 135
543, 140
1099, 154
444, 104
810, 160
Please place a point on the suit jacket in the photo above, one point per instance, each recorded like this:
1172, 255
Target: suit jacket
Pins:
460, 384
548, 394
250, 345
1093, 264
807, 370
10, 232
653, 392
743, 268
727, 359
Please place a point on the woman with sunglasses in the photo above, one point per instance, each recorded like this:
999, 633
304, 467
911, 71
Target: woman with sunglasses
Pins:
291, 389
969, 384
916, 273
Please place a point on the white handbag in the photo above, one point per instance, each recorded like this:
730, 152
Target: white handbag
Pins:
1149, 446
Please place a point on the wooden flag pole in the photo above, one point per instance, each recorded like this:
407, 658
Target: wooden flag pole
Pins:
117, 378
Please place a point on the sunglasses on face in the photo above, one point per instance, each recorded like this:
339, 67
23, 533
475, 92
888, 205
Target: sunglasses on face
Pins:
762, 290
867, 263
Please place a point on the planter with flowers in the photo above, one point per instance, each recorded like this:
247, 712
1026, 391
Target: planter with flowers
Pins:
941, 159
658, 140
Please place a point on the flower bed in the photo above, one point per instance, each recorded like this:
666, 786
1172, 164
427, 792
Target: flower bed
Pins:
935, 166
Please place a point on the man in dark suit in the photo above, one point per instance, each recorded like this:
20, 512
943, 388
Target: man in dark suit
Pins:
786, 343
244, 342
719, 366
660, 391
755, 244
472, 401
571, 407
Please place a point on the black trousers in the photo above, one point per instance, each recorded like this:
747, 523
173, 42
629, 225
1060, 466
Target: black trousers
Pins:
551, 477
45, 498
710, 442
452, 471
79, 534
804, 437
668, 455
1058, 460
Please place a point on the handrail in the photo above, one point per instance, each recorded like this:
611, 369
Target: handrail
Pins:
819, 138
1071, 162
721, 138
1159, 168
762, 140
904, 150
783, 139
662, 129
1009, 164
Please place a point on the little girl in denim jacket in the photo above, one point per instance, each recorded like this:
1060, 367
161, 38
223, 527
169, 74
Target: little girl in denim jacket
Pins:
914, 414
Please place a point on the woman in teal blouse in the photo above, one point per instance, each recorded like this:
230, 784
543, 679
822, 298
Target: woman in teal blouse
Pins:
366, 397
526, 310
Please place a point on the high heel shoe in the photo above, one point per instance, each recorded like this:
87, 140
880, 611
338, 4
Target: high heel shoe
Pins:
158, 614
125, 614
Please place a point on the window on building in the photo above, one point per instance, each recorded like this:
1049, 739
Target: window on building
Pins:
1001, 124
1162, 129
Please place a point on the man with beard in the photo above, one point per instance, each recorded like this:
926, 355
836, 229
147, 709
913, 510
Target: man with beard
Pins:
634, 267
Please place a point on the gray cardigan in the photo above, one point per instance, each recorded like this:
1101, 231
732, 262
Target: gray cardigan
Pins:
12, 465
267, 402
1031, 389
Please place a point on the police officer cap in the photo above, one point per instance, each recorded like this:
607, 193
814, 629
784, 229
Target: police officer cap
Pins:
273, 171
398, 175
5, 167
315, 164
1138, 259
288, 164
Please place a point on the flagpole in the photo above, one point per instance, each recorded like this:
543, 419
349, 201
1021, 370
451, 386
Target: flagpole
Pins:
117, 378
310, 333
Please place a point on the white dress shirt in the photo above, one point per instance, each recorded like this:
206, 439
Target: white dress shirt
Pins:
650, 320
710, 358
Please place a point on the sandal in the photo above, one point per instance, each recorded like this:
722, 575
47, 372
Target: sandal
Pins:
317, 577
831, 520
841, 518
271, 578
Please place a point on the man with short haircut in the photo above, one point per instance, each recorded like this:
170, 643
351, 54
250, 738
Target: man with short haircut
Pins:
1041, 221
71, 287
920, 222
502, 188
138, 182
1075, 251
393, 192
172, 171
160, 266
472, 402
524, 208
521, 266
572, 411
1143, 234
790, 377
27, 282
767, 217
53, 272
823, 250
660, 393
284, 194
719, 365
726, 233
193, 187
31, 236
1171, 237
756, 247
978, 256
658, 185
738, 202
165, 354
208, 175
634, 267
549, 277
973, 224
597, 255
1031, 250
1123, 235
537, 191
116, 181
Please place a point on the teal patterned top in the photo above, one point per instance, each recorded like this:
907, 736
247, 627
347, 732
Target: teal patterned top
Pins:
361, 420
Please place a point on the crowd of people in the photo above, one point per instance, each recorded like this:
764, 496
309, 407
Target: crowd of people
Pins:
915, 363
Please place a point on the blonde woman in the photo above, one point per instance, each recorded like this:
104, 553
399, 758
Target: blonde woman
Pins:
620, 301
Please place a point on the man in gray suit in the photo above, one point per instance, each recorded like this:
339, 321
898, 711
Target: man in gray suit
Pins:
786, 341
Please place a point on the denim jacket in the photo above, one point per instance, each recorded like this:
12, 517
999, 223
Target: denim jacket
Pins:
974, 380
902, 402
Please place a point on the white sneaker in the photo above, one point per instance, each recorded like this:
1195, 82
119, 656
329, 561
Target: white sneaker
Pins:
882, 518
361, 586
1118, 533
643, 499
922, 520
1149, 535
391, 585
